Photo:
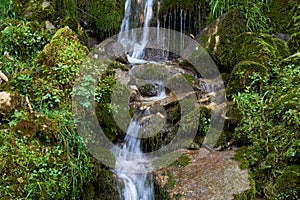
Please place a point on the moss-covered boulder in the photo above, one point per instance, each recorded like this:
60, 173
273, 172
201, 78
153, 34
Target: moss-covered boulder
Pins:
244, 74
282, 190
56, 68
260, 48
219, 37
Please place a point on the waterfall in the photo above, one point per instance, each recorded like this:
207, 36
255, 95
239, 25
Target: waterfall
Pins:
132, 184
143, 10
133, 169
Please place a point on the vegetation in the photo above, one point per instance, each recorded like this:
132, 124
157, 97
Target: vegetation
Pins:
43, 44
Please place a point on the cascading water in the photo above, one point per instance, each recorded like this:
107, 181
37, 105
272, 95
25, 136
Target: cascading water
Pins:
133, 181
132, 185
133, 168
131, 40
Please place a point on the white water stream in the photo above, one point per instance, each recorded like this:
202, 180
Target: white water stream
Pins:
133, 169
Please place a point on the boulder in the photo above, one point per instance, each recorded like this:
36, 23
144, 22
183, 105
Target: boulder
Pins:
209, 175
218, 37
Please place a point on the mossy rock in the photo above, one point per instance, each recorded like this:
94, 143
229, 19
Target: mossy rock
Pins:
282, 47
287, 185
219, 37
260, 48
247, 74
294, 42
38, 126
22, 40
104, 184
57, 66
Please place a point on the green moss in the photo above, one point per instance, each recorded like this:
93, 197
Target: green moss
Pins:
243, 75
38, 127
294, 42
282, 47
182, 161
261, 48
22, 41
287, 185
221, 38
104, 185
279, 14
107, 16
56, 68
182, 4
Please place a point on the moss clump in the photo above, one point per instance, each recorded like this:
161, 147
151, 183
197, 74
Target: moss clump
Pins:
279, 14
294, 42
56, 68
38, 167
243, 75
261, 48
287, 185
21, 41
182, 161
38, 127
220, 37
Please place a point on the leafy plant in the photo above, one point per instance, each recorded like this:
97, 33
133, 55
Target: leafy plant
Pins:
34, 168
270, 128
252, 10
21, 41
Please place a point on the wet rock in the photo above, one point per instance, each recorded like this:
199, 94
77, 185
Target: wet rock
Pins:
148, 90
115, 51
209, 175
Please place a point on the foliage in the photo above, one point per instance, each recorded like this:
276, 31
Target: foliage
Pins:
21, 41
107, 16
7, 10
34, 167
269, 126
247, 74
279, 15
252, 10
56, 68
